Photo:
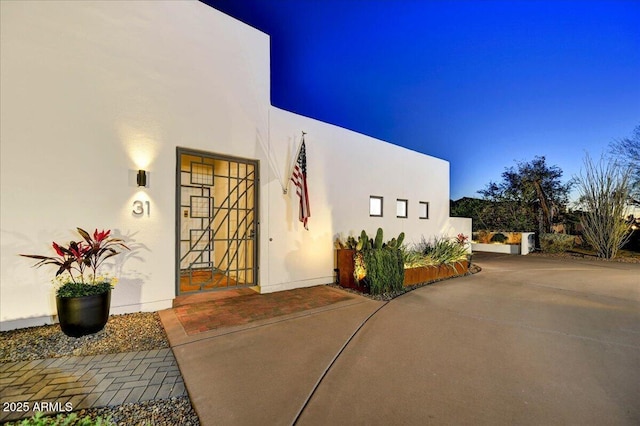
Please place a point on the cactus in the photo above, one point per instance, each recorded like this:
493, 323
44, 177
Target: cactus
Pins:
364, 240
351, 243
378, 241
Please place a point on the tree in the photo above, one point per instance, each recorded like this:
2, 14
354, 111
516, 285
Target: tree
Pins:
531, 195
604, 190
626, 153
469, 207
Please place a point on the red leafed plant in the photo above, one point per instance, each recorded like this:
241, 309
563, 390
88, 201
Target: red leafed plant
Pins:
79, 262
462, 239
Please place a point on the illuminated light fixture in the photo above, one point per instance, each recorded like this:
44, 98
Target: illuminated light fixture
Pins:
142, 178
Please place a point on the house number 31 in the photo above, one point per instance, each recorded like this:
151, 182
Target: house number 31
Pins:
141, 207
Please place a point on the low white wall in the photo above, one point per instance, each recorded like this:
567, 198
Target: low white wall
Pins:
527, 243
526, 246
496, 248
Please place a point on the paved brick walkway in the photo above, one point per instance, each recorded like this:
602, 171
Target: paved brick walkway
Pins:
244, 306
73, 383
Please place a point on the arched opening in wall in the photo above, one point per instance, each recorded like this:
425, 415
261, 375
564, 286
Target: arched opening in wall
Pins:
217, 221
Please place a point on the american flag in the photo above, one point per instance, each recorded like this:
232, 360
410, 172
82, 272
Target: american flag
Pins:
299, 178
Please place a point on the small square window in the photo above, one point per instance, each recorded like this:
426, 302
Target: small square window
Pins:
402, 208
423, 212
375, 206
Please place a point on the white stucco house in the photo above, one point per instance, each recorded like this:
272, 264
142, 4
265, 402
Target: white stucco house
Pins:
91, 92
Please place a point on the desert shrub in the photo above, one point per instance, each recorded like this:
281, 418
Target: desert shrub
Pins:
514, 237
556, 243
499, 238
413, 258
482, 236
385, 270
442, 251
604, 189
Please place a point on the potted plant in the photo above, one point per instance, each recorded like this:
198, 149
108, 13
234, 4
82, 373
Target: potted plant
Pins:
83, 295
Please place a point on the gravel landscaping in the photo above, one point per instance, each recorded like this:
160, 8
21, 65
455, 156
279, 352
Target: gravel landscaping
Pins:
123, 333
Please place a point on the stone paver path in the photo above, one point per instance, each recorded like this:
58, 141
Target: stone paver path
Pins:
72, 383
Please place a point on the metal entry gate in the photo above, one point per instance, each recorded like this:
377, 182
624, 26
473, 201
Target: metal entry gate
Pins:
216, 205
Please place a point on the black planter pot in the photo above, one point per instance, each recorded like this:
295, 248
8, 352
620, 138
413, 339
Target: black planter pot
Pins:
80, 316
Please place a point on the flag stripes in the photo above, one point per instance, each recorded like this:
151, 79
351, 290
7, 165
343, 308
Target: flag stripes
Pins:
299, 179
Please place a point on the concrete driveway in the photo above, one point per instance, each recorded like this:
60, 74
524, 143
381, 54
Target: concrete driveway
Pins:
528, 341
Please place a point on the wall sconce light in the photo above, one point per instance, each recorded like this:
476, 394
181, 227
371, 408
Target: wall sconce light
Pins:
142, 178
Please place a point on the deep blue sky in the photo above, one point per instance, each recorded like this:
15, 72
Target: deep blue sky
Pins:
478, 83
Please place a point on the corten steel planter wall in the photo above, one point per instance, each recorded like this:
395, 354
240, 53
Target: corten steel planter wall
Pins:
345, 266
344, 262
413, 276
80, 316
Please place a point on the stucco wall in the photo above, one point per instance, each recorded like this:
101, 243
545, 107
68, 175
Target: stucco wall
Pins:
345, 168
93, 91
